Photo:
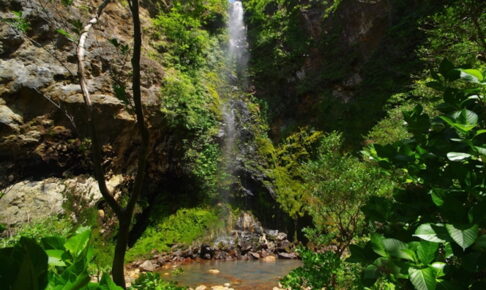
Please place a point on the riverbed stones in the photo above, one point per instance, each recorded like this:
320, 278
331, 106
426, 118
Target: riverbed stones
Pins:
265, 245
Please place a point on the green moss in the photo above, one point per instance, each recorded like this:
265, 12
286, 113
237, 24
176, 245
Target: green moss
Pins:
184, 227
281, 164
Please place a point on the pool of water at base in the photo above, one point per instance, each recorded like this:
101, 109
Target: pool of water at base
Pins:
241, 275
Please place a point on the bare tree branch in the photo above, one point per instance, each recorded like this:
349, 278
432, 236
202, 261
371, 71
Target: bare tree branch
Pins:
96, 144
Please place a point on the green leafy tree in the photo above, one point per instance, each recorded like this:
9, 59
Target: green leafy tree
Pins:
336, 186
433, 230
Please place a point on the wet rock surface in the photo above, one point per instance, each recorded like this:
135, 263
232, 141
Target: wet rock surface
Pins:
248, 240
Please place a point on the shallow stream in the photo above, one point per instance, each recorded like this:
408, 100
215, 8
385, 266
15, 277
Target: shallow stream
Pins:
240, 274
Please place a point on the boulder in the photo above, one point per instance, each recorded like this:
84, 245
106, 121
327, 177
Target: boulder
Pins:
247, 222
287, 255
255, 255
281, 236
28, 200
147, 266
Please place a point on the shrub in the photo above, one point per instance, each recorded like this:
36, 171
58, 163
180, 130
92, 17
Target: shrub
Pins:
153, 281
431, 234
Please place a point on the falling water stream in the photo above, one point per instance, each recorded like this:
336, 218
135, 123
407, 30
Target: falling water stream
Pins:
240, 274
237, 64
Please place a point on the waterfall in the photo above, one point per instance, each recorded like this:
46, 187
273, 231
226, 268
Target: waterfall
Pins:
238, 44
237, 64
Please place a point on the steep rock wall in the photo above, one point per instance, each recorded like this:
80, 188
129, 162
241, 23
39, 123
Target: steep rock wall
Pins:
43, 130
333, 64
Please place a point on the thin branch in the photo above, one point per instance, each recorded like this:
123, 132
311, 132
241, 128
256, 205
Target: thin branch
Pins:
96, 144
60, 108
137, 99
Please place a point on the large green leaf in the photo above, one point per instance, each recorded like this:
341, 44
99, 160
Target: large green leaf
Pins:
464, 236
394, 247
23, 266
53, 243
55, 257
481, 150
77, 243
423, 279
472, 75
448, 70
431, 233
457, 125
439, 268
408, 254
426, 251
466, 117
457, 156
377, 245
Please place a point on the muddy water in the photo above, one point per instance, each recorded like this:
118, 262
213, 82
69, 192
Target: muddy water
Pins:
240, 274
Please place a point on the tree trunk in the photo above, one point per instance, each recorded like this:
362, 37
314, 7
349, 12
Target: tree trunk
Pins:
296, 236
118, 270
125, 218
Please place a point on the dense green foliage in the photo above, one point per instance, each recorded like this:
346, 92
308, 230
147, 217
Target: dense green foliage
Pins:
54, 263
189, 39
434, 224
318, 271
410, 213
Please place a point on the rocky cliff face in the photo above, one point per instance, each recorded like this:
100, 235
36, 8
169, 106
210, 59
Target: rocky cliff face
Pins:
42, 114
320, 63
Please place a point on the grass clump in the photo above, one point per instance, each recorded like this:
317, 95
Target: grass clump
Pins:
184, 227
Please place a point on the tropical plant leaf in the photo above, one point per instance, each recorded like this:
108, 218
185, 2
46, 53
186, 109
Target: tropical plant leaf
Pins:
55, 258
431, 233
464, 236
377, 245
459, 126
77, 243
426, 252
423, 279
394, 247
458, 156
472, 75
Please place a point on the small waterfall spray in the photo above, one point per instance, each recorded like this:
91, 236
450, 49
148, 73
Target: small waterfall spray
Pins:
238, 44
237, 64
